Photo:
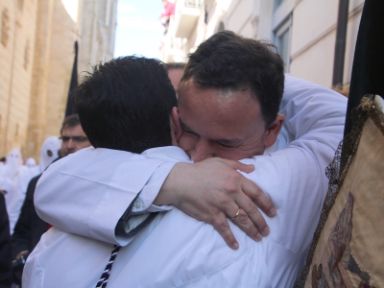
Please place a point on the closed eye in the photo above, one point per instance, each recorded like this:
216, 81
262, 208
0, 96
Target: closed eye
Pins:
228, 143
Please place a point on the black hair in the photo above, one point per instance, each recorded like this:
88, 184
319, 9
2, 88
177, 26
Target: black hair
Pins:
229, 61
70, 121
125, 104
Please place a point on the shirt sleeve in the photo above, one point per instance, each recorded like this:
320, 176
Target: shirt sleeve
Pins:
143, 204
77, 196
315, 118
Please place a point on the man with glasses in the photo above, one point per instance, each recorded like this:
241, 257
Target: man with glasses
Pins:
72, 136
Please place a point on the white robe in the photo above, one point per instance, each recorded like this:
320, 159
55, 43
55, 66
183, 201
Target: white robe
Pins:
14, 180
175, 250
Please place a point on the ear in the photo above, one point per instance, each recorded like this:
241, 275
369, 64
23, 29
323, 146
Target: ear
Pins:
273, 131
176, 130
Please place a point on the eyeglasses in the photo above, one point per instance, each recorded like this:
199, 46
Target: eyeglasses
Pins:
77, 139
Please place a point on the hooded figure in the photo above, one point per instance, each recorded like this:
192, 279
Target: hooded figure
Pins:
49, 151
14, 183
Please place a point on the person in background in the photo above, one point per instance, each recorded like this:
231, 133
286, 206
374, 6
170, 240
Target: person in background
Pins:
32, 167
5, 246
49, 151
14, 181
72, 136
29, 226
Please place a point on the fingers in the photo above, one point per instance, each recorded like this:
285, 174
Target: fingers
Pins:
244, 214
243, 221
220, 223
262, 200
249, 198
251, 222
211, 214
250, 219
246, 168
213, 191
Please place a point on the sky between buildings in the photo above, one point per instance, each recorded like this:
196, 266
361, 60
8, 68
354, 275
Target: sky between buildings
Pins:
139, 30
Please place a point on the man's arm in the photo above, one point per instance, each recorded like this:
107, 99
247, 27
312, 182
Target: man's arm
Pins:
86, 193
81, 197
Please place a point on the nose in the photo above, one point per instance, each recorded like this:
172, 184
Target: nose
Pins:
70, 144
203, 150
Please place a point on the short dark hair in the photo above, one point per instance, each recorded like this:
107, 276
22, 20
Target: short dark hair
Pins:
125, 104
70, 121
229, 61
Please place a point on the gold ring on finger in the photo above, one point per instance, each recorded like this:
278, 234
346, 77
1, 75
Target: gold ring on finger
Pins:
236, 214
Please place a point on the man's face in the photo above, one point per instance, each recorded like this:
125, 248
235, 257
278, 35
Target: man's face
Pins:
221, 124
73, 139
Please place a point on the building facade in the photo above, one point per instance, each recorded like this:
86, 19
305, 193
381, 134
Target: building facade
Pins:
36, 55
97, 32
304, 31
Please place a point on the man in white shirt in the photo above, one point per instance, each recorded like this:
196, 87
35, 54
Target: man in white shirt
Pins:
196, 256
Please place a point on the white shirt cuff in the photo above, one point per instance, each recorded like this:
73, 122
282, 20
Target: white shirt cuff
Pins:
144, 202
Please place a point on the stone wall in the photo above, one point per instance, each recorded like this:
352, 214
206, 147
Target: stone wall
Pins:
36, 57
